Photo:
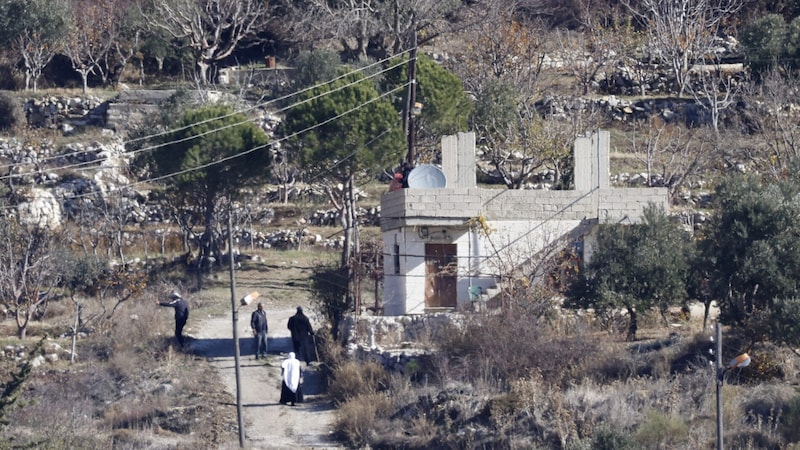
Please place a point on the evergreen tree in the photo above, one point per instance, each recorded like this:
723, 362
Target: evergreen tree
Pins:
635, 268
212, 154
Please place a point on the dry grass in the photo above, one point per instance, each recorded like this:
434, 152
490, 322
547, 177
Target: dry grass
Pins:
515, 383
128, 381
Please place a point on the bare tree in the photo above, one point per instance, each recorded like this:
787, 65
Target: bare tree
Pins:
28, 271
42, 25
91, 37
716, 86
501, 48
773, 117
673, 153
213, 29
361, 27
682, 32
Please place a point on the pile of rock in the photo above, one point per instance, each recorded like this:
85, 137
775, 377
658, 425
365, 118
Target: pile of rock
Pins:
51, 353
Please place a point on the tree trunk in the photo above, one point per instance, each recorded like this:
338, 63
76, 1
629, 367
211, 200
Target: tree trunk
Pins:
633, 325
22, 323
203, 67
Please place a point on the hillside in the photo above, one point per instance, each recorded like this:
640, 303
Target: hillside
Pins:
112, 227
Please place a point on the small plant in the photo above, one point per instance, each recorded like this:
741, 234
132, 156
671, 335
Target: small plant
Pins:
608, 438
353, 379
661, 431
357, 417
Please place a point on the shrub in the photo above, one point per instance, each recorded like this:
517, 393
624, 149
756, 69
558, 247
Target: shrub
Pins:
331, 298
503, 347
790, 420
611, 438
661, 431
315, 66
357, 417
353, 379
10, 112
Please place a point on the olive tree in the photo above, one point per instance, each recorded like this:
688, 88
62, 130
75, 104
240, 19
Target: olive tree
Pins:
749, 251
635, 268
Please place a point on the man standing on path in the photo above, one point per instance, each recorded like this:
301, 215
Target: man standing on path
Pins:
302, 336
181, 313
258, 323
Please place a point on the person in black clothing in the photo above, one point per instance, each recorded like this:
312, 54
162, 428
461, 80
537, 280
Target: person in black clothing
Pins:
181, 313
302, 336
258, 323
405, 169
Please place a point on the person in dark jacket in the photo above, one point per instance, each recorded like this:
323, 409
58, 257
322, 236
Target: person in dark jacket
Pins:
258, 323
181, 313
302, 336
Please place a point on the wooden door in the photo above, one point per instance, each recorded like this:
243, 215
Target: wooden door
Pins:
441, 274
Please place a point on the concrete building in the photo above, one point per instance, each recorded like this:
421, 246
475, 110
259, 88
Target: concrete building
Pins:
447, 246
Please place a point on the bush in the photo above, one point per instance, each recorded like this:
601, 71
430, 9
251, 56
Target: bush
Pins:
357, 418
508, 346
331, 298
11, 115
610, 438
315, 66
353, 379
662, 431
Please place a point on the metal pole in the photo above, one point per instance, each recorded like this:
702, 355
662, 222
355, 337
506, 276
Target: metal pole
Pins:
719, 375
235, 316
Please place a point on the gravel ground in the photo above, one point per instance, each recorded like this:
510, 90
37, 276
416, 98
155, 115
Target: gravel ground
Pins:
268, 424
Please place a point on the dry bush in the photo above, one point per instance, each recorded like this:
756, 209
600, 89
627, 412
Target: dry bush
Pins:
57, 413
135, 413
330, 351
662, 430
356, 379
497, 348
356, 418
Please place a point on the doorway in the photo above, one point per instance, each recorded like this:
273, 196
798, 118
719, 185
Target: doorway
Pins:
441, 275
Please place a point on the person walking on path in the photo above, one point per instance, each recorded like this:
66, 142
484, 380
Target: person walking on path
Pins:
291, 391
258, 323
302, 336
181, 313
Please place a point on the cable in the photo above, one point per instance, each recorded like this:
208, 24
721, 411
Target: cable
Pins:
258, 105
219, 161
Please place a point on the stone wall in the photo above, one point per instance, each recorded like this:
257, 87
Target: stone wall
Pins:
400, 344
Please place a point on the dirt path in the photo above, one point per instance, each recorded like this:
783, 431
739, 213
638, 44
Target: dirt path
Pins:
268, 424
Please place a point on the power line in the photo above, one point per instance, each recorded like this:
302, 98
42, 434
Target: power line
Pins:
188, 126
260, 147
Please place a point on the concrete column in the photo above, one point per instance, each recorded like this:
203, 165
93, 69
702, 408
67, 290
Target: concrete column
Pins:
601, 165
583, 164
450, 159
466, 162
592, 162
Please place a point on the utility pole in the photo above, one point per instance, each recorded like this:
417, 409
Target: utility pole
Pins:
411, 100
235, 317
720, 376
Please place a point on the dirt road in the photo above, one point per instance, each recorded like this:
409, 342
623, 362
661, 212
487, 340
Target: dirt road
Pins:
268, 424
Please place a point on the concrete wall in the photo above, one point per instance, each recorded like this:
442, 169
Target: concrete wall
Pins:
521, 223
449, 206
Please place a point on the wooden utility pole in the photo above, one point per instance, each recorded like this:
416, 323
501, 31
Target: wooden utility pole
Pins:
411, 100
235, 317
720, 375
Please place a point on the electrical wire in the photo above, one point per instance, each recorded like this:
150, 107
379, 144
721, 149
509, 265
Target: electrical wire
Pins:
245, 152
247, 120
